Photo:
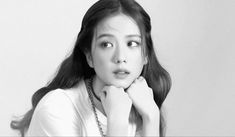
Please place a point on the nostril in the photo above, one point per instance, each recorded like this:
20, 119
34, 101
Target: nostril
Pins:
120, 54
120, 60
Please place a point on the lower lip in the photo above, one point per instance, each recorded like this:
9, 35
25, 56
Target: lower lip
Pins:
121, 75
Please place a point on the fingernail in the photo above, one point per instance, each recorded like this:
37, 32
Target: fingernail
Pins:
140, 78
105, 93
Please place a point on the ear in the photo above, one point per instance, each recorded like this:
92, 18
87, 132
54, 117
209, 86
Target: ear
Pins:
145, 60
89, 59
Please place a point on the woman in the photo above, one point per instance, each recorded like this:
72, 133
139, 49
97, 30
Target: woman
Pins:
111, 84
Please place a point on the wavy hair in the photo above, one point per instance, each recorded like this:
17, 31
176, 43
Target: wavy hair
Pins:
75, 67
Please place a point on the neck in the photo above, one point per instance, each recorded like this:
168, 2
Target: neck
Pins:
98, 85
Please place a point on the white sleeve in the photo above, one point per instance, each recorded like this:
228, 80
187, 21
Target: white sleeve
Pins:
56, 116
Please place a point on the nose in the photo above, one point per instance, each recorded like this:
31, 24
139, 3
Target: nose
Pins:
120, 55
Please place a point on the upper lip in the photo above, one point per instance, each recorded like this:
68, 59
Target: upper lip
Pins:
121, 70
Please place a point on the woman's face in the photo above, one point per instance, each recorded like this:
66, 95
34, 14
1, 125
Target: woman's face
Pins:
116, 53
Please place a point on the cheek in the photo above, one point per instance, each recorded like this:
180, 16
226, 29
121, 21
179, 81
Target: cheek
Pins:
137, 63
137, 59
100, 60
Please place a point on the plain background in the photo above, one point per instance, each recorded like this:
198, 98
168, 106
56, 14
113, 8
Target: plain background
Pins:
194, 39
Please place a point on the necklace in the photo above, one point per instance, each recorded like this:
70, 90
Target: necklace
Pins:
90, 91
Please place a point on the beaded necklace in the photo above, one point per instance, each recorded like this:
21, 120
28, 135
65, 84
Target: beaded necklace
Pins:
90, 92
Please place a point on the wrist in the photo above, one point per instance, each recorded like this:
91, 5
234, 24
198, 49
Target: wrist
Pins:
118, 119
117, 126
154, 116
151, 126
118, 115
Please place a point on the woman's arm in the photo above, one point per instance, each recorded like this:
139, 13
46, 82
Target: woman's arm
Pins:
117, 126
142, 98
117, 106
151, 124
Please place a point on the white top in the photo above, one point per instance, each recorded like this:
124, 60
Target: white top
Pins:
68, 113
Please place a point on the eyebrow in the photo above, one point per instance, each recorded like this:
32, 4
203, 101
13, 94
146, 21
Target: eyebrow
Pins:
110, 35
105, 35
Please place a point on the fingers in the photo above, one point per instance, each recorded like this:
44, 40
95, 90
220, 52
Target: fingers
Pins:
139, 84
102, 94
140, 79
151, 91
108, 89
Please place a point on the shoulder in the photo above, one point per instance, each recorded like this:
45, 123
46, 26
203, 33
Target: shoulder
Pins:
55, 103
57, 114
71, 102
61, 98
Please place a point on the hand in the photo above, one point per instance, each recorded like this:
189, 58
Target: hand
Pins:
116, 102
142, 98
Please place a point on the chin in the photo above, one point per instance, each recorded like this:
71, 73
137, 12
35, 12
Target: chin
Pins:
122, 84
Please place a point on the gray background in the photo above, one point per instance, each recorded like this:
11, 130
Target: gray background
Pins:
194, 40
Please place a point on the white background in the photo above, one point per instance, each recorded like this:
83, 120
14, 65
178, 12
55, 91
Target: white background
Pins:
194, 39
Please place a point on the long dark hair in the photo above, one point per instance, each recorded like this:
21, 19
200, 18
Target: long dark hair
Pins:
75, 68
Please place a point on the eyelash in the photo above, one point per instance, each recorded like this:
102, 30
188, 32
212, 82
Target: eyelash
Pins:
104, 44
136, 42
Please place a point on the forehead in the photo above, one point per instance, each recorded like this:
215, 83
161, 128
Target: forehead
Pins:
118, 24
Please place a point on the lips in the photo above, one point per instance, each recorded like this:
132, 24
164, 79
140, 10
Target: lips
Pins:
121, 73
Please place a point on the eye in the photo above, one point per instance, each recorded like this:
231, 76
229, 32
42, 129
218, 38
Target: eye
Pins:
106, 44
133, 44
